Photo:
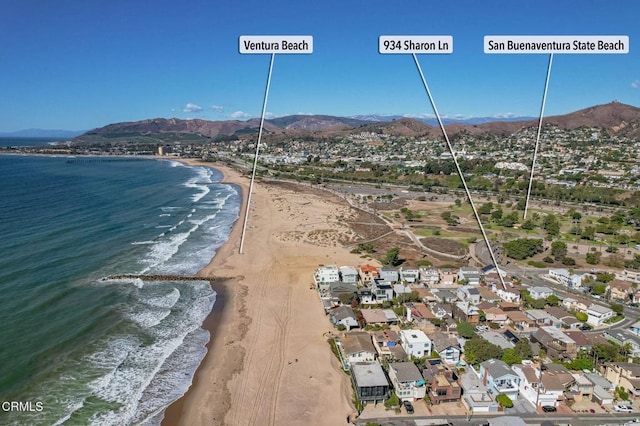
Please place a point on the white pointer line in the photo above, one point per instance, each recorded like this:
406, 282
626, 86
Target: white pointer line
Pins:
535, 150
255, 159
455, 160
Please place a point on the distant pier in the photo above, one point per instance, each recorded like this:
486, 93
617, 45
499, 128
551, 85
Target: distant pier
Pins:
100, 160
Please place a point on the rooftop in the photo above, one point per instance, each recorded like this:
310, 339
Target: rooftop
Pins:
369, 374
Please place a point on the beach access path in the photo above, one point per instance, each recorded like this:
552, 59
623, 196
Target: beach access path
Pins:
268, 361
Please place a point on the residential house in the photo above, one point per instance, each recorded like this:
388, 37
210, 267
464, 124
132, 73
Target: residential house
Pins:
382, 291
508, 292
542, 317
343, 315
448, 277
563, 318
325, 275
441, 310
469, 294
415, 343
543, 388
540, 292
497, 339
556, 343
602, 389
487, 295
496, 315
576, 304
475, 396
442, 383
499, 378
465, 311
368, 273
357, 347
365, 297
336, 289
387, 344
626, 275
598, 314
407, 381
620, 291
379, 316
470, 275
389, 275
521, 322
625, 375
562, 276
418, 313
429, 276
635, 328
401, 290
444, 295
583, 343
446, 346
410, 275
370, 382
349, 275
581, 389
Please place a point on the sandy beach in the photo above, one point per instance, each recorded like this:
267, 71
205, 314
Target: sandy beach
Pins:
268, 361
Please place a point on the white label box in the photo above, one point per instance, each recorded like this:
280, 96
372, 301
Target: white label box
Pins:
578, 44
281, 44
430, 44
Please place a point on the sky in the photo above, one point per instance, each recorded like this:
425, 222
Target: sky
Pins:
83, 64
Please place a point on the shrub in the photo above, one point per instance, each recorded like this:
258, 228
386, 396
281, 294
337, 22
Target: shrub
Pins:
504, 400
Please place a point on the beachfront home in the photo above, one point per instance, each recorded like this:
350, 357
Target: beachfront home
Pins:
407, 381
429, 276
389, 275
343, 315
349, 275
499, 378
410, 275
370, 382
448, 277
326, 274
368, 273
415, 343
357, 347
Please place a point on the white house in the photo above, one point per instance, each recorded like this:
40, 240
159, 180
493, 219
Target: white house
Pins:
390, 275
469, 274
561, 275
410, 275
326, 274
407, 381
349, 274
597, 314
540, 292
415, 343
429, 276
468, 294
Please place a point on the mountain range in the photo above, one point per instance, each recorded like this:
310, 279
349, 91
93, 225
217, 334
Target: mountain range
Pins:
613, 118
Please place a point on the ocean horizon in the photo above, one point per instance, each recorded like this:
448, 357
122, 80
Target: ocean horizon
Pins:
96, 351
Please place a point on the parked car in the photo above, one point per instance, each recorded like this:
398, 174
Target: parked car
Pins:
408, 406
549, 409
622, 409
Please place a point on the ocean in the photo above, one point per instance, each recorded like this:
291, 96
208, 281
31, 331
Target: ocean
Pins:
81, 349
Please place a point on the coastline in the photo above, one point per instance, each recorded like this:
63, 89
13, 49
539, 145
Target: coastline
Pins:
268, 361
222, 318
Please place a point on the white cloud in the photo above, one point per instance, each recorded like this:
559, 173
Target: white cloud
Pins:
505, 115
240, 114
635, 84
217, 108
192, 108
